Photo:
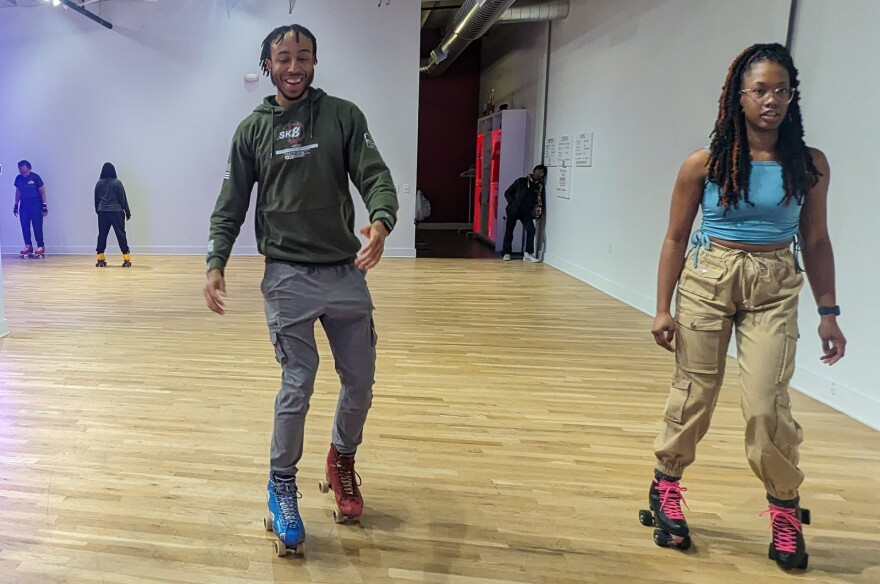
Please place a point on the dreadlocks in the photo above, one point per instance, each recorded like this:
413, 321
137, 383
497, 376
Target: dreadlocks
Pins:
275, 37
730, 159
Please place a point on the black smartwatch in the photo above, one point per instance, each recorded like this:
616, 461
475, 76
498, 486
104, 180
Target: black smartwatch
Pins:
386, 223
829, 310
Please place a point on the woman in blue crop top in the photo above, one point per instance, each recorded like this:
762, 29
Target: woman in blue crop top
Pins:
758, 186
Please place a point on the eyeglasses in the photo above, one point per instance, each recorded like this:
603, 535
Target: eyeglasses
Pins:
783, 94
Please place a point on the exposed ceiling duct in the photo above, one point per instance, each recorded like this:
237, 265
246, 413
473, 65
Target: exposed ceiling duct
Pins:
476, 17
535, 11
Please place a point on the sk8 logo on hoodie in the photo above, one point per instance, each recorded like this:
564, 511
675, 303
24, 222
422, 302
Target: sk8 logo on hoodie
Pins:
293, 133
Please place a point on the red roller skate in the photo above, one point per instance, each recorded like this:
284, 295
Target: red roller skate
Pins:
344, 482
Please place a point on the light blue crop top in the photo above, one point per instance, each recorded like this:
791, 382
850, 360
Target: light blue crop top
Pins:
764, 219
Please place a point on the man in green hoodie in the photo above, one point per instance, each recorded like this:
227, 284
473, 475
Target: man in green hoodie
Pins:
301, 147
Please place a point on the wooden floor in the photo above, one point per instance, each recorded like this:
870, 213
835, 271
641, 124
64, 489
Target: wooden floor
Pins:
509, 440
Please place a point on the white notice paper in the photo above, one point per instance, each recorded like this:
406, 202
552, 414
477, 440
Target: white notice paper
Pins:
563, 151
584, 149
550, 152
563, 183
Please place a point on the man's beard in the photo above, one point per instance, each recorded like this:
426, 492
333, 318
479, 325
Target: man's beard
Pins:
276, 81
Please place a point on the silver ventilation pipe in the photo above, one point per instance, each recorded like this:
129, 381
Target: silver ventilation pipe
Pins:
471, 22
536, 11
476, 17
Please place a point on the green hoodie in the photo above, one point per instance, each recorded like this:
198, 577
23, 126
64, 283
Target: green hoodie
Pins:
301, 158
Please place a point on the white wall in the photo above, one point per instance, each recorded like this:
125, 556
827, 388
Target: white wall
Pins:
645, 77
160, 96
836, 52
514, 64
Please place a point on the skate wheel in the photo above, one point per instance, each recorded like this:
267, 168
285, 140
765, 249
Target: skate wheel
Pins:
267, 525
661, 538
324, 486
646, 518
280, 550
684, 544
300, 549
338, 517
805, 516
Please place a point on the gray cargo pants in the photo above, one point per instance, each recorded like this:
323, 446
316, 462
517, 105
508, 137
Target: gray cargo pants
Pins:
295, 297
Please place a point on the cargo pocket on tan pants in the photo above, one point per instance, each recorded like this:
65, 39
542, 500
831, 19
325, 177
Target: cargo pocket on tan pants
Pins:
701, 280
698, 343
786, 357
678, 398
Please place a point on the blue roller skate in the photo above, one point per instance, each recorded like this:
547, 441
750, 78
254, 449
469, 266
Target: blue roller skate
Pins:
284, 517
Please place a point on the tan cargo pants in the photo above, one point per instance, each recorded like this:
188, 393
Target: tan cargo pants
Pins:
758, 294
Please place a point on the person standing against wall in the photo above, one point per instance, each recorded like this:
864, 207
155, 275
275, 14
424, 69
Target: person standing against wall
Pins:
525, 203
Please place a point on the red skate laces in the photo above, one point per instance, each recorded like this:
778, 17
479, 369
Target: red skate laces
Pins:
349, 480
785, 525
671, 498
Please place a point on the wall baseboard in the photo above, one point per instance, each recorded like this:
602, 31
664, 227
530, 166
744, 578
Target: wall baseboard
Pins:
843, 398
390, 252
451, 226
626, 295
846, 400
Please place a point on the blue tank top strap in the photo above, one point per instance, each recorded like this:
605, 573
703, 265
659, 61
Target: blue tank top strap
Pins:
700, 240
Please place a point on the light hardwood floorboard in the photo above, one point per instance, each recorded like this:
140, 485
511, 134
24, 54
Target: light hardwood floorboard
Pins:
509, 440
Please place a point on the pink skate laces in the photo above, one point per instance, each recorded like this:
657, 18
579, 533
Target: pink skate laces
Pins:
348, 478
785, 525
670, 502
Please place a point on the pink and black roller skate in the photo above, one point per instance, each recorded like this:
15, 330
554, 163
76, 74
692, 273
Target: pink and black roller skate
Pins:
665, 498
787, 520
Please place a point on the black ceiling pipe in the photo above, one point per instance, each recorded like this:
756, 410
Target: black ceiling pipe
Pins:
86, 13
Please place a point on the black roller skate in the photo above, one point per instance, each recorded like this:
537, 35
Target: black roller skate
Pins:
787, 520
665, 514
102, 261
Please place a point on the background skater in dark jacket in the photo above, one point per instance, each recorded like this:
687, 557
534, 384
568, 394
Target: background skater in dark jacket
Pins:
525, 203
111, 205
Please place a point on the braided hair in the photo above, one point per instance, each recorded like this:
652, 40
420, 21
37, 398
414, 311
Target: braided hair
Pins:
275, 37
730, 160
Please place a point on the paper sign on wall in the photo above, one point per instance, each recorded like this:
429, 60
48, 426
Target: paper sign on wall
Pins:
563, 183
563, 151
584, 149
550, 152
